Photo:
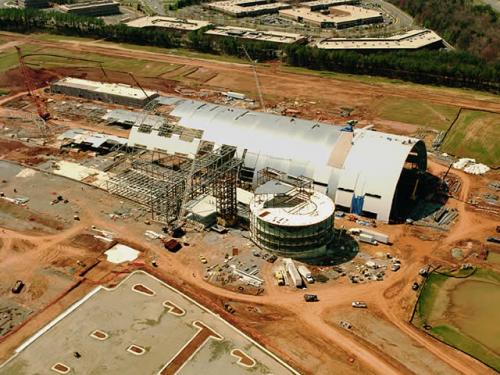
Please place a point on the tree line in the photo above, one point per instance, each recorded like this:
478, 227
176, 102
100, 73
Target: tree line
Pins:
30, 20
450, 68
178, 4
466, 24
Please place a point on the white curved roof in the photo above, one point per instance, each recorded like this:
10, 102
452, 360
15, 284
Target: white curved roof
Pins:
261, 133
372, 170
370, 163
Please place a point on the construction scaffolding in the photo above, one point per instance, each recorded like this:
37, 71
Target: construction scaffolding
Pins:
164, 188
302, 183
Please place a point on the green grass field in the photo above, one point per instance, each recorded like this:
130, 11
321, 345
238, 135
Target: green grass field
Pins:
475, 135
455, 338
462, 312
138, 67
417, 112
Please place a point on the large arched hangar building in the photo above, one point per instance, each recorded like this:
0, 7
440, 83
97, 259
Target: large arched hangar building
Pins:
364, 171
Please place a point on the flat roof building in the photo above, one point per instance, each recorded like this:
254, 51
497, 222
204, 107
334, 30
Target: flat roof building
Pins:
414, 39
247, 8
117, 93
168, 23
325, 4
92, 8
340, 17
262, 35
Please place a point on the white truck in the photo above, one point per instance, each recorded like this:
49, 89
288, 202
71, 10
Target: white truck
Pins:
377, 236
306, 274
363, 237
367, 235
292, 271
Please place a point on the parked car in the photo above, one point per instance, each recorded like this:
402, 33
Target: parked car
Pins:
18, 286
359, 304
311, 298
345, 324
272, 259
395, 267
493, 239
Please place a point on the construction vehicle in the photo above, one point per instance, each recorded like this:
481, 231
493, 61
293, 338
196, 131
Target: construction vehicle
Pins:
395, 267
218, 228
359, 305
345, 324
272, 258
230, 309
41, 106
16, 289
306, 274
493, 239
280, 278
311, 298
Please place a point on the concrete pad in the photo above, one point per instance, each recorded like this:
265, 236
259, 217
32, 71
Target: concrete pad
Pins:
178, 336
120, 254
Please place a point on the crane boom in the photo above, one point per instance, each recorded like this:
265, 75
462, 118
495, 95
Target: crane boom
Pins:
257, 82
30, 86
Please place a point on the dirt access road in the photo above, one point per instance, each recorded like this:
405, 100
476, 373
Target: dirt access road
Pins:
388, 299
384, 299
276, 81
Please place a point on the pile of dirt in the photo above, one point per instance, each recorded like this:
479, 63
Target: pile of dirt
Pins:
88, 242
18, 151
14, 79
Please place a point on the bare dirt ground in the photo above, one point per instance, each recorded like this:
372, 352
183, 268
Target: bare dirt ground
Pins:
305, 335
280, 319
321, 97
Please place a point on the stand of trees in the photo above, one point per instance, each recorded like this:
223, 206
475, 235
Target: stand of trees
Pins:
450, 68
466, 24
258, 50
30, 20
182, 3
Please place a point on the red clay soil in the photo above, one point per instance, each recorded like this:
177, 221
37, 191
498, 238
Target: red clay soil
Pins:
204, 334
14, 80
173, 308
243, 358
143, 289
99, 334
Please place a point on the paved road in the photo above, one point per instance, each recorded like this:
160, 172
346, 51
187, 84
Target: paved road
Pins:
403, 19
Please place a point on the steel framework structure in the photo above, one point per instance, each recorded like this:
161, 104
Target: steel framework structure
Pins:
163, 188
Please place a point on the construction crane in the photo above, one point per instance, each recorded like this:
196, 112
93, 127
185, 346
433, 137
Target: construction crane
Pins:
257, 82
138, 84
41, 107
177, 230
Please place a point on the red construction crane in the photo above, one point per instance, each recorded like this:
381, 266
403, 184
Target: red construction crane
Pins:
41, 107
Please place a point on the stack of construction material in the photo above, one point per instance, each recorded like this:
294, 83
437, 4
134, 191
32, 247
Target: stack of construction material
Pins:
445, 216
470, 166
